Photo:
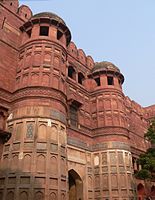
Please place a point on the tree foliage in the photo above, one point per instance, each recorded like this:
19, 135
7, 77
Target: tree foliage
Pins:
150, 134
147, 160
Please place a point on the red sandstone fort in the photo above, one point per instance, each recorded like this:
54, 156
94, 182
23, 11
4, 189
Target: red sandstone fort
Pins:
67, 130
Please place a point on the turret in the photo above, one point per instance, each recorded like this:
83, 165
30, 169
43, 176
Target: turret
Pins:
107, 75
38, 111
109, 96
112, 157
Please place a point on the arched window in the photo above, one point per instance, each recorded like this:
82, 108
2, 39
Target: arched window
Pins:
80, 78
71, 72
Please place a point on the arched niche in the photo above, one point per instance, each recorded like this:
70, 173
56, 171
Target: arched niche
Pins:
42, 132
53, 196
10, 195
41, 163
24, 195
54, 133
45, 79
39, 195
53, 165
140, 191
14, 163
27, 163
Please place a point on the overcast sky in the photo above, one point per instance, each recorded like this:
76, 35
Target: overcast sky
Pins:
119, 31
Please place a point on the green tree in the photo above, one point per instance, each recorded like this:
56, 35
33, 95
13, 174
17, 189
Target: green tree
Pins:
150, 134
147, 160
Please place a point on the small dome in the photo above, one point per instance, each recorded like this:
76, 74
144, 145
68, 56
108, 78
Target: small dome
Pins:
49, 15
105, 66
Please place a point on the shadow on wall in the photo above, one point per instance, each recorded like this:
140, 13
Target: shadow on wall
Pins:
15, 184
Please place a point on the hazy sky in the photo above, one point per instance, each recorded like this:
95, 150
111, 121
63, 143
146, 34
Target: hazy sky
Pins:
119, 31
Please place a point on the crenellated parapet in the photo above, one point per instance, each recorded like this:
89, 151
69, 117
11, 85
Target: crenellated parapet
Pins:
150, 112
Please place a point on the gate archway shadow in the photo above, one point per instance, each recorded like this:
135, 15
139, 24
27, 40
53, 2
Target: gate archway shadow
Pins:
75, 186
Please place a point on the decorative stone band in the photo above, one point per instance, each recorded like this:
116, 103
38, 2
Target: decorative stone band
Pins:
110, 145
99, 146
57, 115
37, 91
77, 143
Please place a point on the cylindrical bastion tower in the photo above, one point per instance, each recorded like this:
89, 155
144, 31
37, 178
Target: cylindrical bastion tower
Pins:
112, 155
34, 159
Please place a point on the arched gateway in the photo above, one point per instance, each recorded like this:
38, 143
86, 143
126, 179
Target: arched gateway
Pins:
141, 191
75, 186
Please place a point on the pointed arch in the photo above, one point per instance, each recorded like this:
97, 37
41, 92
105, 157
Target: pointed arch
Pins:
39, 196
140, 191
42, 132
75, 185
10, 195
24, 195
41, 163
27, 163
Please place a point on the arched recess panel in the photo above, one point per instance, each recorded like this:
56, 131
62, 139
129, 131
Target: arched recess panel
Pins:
14, 163
62, 136
55, 82
28, 61
24, 195
107, 104
54, 133
10, 195
37, 60
18, 131
53, 196
47, 59
42, 132
56, 62
5, 162
39, 196
41, 163
63, 166
25, 79
27, 163
63, 196
34, 78
90, 182
45, 79
53, 165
